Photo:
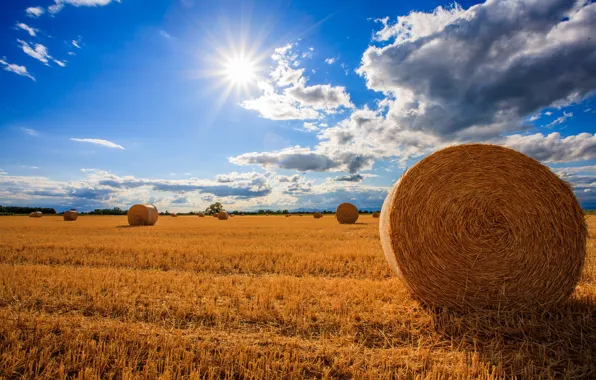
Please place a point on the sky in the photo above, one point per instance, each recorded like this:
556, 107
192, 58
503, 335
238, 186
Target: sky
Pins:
282, 104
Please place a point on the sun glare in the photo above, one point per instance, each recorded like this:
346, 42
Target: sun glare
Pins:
240, 71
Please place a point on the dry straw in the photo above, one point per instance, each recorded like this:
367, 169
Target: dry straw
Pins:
222, 215
346, 213
142, 215
482, 226
35, 214
70, 216
376, 214
317, 215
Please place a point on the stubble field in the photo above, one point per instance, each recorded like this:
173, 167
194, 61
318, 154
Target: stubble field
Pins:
254, 297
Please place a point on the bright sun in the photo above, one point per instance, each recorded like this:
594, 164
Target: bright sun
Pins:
240, 71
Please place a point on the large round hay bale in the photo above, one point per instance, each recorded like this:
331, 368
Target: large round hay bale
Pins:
346, 213
142, 215
481, 226
70, 216
35, 214
317, 215
376, 214
201, 215
222, 215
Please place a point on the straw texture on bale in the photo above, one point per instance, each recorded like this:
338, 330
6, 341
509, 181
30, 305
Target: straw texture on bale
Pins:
317, 215
480, 227
142, 215
201, 215
346, 213
70, 216
222, 215
376, 214
35, 214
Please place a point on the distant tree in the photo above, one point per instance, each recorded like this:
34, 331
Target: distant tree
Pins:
285, 212
261, 212
214, 208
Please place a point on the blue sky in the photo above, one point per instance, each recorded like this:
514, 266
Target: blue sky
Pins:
282, 104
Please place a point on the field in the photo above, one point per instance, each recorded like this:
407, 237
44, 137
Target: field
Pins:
254, 297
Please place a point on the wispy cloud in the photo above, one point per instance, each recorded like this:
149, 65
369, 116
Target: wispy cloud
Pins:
32, 31
330, 61
78, 3
164, 34
76, 43
560, 120
106, 143
30, 167
34, 11
30, 132
19, 70
38, 51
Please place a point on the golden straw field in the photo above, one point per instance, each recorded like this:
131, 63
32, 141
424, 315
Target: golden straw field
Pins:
254, 297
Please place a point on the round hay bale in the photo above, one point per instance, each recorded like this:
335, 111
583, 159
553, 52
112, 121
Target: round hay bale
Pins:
288, 215
70, 216
300, 215
346, 213
35, 214
376, 214
231, 215
317, 215
142, 215
484, 227
222, 215
214, 215
201, 215
173, 215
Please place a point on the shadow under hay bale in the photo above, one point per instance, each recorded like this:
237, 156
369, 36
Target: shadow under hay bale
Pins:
560, 343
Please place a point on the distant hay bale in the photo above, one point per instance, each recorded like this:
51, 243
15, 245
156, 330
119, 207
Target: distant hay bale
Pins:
222, 215
214, 215
173, 215
35, 214
266, 214
300, 215
376, 214
317, 215
142, 215
484, 227
346, 213
231, 215
288, 215
201, 215
70, 216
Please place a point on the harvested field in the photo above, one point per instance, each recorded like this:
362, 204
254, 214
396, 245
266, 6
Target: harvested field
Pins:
254, 297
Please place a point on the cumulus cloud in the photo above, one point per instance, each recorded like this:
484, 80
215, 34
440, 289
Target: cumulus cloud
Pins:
296, 158
32, 31
106, 143
286, 96
330, 61
476, 73
349, 178
322, 97
19, 70
34, 11
554, 147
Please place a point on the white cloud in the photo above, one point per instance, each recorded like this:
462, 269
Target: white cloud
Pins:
19, 70
38, 52
57, 7
2, 172
30, 132
34, 11
320, 97
553, 147
287, 97
76, 44
330, 61
560, 120
106, 143
27, 28
311, 127
60, 63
